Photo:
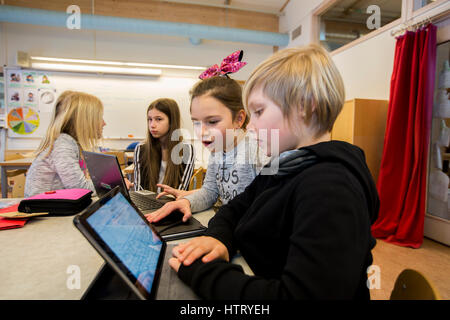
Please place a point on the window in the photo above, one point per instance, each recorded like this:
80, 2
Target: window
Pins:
422, 3
348, 20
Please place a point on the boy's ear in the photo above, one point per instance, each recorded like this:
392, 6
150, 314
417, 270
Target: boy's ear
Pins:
240, 118
302, 111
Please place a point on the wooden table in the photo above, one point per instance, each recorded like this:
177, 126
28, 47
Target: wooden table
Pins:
12, 165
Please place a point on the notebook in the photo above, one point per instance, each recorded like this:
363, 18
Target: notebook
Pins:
6, 223
105, 173
135, 253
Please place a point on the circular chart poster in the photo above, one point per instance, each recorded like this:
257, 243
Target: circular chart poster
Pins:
23, 120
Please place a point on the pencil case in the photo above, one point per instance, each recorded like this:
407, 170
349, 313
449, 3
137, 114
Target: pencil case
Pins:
63, 202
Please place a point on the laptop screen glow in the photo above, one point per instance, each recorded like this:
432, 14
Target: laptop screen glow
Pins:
129, 237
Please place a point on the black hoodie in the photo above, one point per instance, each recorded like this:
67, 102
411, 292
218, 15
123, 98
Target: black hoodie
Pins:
305, 235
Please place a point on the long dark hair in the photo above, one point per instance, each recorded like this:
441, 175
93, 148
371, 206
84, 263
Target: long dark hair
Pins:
224, 89
152, 147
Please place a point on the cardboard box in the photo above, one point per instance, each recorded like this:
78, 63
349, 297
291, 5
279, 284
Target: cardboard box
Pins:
16, 186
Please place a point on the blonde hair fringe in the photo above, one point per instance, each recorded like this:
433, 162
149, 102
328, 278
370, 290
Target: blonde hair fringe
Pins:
303, 80
80, 116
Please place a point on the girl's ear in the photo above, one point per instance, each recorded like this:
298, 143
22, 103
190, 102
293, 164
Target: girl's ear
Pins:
240, 118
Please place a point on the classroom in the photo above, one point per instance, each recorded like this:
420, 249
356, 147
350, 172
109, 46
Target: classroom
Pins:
221, 150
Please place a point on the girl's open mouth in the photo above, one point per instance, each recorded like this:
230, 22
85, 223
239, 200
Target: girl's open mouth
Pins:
207, 143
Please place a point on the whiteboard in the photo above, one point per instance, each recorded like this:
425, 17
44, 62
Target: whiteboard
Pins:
125, 98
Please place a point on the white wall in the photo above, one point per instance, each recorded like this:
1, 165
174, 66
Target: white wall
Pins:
366, 68
299, 12
83, 44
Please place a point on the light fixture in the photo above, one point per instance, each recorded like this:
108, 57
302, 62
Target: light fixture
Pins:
102, 66
96, 69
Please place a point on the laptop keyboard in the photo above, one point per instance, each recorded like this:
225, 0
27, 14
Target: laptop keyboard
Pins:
145, 202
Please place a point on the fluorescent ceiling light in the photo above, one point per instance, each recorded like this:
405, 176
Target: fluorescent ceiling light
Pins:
117, 63
96, 69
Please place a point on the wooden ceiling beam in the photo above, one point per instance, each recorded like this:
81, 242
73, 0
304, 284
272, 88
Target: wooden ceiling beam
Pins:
162, 11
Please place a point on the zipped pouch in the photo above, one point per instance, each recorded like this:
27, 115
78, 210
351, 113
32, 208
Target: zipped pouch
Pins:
63, 202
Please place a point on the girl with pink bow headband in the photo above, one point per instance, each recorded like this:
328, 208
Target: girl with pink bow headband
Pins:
230, 64
220, 122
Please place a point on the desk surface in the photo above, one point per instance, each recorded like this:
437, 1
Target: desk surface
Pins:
36, 259
17, 162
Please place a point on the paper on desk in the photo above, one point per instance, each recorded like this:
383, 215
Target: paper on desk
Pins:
11, 223
20, 215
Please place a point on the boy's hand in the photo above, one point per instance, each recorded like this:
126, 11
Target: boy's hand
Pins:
207, 247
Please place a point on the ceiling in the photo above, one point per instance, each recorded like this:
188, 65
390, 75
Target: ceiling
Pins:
267, 6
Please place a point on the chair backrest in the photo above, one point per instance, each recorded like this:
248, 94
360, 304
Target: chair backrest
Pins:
197, 179
413, 285
120, 156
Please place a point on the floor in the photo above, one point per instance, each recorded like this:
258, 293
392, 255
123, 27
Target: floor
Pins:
432, 259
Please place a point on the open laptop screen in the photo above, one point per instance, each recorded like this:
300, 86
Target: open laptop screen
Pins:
105, 172
130, 239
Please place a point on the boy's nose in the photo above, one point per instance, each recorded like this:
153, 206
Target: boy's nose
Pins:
251, 126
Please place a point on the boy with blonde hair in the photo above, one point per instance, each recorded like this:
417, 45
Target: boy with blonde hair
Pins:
304, 231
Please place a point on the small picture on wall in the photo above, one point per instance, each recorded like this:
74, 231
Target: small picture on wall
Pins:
30, 97
14, 97
14, 77
29, 79
44, 79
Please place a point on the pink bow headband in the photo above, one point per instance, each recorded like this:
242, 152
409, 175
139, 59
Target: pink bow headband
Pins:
230, 64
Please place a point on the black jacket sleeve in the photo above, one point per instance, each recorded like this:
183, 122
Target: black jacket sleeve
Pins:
223, 224
328, 248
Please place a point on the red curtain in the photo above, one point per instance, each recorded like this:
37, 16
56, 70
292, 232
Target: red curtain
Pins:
402, 178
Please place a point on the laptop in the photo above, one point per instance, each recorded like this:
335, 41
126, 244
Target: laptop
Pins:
136, 255
105, 173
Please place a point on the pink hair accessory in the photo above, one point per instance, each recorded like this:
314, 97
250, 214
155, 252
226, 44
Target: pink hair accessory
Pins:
230, 64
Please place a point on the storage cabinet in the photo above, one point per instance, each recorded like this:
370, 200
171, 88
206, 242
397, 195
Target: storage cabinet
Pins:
437, 217
362, 122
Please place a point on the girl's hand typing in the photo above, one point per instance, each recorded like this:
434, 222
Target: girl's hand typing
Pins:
128, 183
169, 190
182, 205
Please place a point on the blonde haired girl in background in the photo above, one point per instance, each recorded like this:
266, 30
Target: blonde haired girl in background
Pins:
77, 126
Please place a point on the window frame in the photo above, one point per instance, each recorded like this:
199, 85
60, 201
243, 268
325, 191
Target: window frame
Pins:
407, 14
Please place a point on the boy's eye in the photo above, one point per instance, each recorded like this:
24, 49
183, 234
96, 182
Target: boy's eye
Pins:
213, 122
258, 112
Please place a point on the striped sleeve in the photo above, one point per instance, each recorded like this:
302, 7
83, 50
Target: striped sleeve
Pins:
189, 161
137, 168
